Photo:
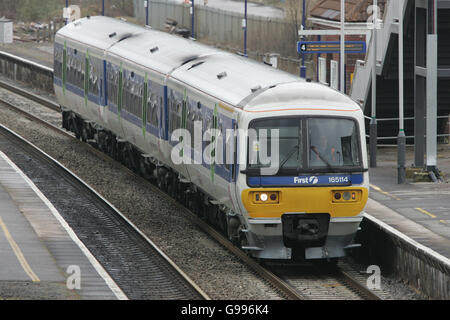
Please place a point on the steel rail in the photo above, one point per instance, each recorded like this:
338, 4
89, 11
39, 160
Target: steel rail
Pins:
34, 97
27, 62
75, 180
357, 286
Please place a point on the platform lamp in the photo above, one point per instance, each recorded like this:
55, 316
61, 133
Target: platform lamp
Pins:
146, 5
342, 47
67, 5
244, 26
401, 138
303, 67
192, 19
373, 126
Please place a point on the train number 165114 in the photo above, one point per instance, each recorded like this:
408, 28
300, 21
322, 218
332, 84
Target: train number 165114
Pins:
338, 179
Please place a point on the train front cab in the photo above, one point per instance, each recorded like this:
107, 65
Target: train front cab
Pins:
311, 207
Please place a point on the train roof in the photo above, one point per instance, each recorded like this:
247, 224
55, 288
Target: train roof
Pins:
293, 95
231, 78
100, 32
160, 51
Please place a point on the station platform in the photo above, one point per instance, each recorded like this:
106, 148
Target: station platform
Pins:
40, 256
419, 210
41, 53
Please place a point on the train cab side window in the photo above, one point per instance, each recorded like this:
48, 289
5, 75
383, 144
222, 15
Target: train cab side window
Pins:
222, 143
227, 146
234, 152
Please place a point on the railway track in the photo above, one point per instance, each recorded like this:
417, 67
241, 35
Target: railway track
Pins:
138, 266
332, 284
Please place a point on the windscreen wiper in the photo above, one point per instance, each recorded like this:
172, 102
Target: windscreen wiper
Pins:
291, 152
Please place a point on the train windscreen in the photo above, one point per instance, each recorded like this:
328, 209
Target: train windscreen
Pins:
304, 144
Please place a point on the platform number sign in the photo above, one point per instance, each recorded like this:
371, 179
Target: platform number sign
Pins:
330, 47
303, 47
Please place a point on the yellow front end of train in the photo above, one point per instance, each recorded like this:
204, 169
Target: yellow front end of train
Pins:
274, 202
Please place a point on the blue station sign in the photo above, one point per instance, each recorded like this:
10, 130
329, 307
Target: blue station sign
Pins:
330, 47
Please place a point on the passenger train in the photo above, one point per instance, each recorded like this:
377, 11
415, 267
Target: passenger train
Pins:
126, 89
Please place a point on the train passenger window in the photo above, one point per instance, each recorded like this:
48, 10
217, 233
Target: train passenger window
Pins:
94, 76
80, 73
75, 72
132, 95
149, 108
175, 113
194, 116
113, 85
152, 109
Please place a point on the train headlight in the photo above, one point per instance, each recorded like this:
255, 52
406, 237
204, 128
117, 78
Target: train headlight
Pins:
343, 196
266, 197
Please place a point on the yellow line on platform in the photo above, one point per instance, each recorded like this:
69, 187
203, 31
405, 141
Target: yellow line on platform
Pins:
426, 212
26, 267
384, 192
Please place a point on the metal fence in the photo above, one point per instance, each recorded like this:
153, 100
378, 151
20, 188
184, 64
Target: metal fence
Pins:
224, 29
